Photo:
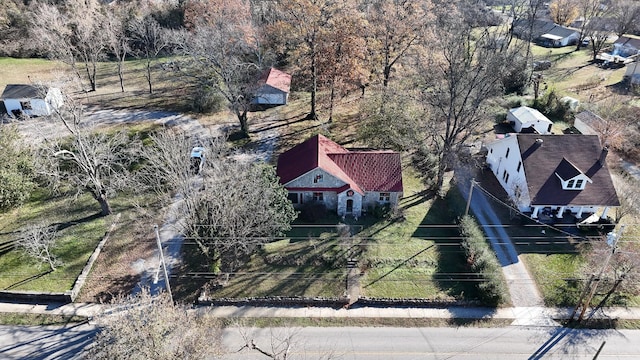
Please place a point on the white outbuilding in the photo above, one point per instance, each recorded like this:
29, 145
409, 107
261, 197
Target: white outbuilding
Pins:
31, 100
527, 120
273, 88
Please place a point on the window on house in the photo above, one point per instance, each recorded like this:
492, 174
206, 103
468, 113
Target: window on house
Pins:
26, 105
504, 174
491, 151
293, 197
506, 179
385, 196
317, 179
579, 184
318, 196
570, 184
507, 155
519, 166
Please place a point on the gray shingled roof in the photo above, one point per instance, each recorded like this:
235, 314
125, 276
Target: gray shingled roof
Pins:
566, 170
14, 91
541, 161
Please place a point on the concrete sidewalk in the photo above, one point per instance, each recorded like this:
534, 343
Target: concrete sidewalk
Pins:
521, 316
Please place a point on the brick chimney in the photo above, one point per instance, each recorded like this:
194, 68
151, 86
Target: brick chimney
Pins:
603, 155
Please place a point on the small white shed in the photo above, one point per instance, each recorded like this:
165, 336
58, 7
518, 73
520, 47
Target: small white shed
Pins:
31, 100
274, 86
527, 120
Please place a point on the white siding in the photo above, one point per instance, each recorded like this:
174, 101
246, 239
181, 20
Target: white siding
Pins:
12, 104
501, 165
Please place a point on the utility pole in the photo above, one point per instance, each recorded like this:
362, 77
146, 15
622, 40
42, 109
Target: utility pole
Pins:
162, 262
582, 295
612, 240
466, 211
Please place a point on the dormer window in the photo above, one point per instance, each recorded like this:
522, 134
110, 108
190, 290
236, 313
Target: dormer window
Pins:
571, 177
317, 179
574, 184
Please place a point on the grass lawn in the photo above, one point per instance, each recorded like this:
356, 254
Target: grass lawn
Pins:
573, 74
82, 230
398, 259
411, 259
171, 91
24, 71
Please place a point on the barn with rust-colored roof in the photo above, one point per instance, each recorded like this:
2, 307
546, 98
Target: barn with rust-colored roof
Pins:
349, 182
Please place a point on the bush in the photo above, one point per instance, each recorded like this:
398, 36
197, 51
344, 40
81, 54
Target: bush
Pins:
381, 211
482, 261
551, 106
16, 170
313, 211
426, 162
205, 100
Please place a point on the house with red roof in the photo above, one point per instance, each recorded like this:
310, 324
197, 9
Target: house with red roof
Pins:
554, 174
273, 88
347, 181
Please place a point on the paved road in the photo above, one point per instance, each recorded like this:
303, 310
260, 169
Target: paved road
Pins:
49, 342
361, 343
506, 343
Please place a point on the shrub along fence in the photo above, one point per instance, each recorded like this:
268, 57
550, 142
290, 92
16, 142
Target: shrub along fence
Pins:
483, 262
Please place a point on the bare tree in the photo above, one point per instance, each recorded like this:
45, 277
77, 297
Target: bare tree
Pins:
620, 274
616, 120
394, 28
241, 207
457, 79
148, 40
146, 327
627, 189
279, 347
590, 11
52, 34
626, 14
598, 35
231, 207
563, 12
344, 51
38, 242
302, 27
117, 38
73, 35
226, 59
93, 162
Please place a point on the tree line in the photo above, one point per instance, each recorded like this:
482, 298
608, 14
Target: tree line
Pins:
434, 63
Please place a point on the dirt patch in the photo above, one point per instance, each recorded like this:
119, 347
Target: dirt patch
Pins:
114, 272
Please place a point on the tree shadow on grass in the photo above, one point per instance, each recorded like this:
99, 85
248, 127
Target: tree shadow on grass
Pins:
64, 225
452, 267
399, 266
31, 278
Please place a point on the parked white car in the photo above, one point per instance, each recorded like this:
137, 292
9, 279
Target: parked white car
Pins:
197, 159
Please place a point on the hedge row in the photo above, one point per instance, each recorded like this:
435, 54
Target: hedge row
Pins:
483, 262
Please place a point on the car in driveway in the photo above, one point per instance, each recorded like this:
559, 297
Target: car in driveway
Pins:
197, 159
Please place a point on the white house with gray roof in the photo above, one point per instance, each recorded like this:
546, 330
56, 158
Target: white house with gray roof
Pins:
555, 174
31, 100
